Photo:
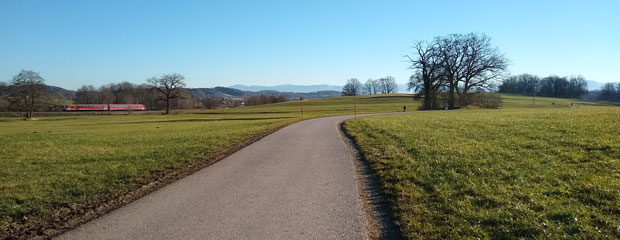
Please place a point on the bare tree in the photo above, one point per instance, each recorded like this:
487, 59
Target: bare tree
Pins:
577, 86
466, 63
427, 77
106, 94
211, 102
451, 52
87, 94
530, 83
482, 64
169, 86
29, 88
371, 87
3, 87
4, 91
352, 88
387, 85
610, 92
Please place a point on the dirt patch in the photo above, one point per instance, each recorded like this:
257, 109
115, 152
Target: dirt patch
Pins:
67, 218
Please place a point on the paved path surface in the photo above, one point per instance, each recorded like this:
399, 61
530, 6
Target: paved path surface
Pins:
297, 183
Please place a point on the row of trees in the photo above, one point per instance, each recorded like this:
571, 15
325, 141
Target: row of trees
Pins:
161, 92
372, 86
610, 92
457, 64
28, 92
263, 99
552, 86
129, 93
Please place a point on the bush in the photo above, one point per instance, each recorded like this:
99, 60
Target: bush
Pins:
485, 100
263, 99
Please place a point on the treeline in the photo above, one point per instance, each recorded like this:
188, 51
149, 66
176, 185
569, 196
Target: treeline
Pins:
130, 93
610, 92
372, 86
262, 99
218, 101
27, 92
552, 86
456, 65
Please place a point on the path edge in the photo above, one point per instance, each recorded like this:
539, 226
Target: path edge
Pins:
68, 218
379, 220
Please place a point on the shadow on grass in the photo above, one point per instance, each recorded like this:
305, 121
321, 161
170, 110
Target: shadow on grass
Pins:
379, 215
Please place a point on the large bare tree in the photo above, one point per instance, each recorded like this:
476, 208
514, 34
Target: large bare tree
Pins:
387, 85
169, 86
427, 78
483, 64
87, 94
451, 51
466, 63
28, 88
371, 87
353, 87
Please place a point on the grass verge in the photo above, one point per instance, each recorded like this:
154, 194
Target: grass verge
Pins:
515, 173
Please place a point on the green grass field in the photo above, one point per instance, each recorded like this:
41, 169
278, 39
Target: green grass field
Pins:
56, 163
547, 172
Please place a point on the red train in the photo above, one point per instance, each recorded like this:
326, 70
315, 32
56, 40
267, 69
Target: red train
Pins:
104, 107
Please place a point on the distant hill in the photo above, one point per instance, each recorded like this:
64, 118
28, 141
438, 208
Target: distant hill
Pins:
594, 85
294, 96
402, 88
289, 88
236, 93
204, 92
200, 93
60, 92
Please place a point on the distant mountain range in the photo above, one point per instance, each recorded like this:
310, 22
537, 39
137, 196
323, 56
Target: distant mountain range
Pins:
200, 93
402, 88
594, 85
289, 88
290, 91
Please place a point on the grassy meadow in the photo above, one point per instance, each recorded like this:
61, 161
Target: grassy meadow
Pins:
544, 171
56, 163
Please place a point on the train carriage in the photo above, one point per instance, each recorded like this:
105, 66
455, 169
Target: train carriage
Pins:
104, 107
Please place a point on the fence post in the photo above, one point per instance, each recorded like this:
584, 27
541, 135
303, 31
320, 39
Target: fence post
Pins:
301, 100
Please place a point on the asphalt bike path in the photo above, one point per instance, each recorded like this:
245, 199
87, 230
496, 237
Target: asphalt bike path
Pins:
296, 183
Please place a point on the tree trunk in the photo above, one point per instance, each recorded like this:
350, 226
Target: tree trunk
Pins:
428, 92
451, 99
167, 105
464, 97
29, 107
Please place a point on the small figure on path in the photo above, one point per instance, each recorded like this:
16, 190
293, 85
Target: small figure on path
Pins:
445, 106
404, 108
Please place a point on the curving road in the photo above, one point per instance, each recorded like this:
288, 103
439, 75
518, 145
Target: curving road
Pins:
297, 183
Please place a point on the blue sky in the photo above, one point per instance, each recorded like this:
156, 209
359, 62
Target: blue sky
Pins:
72, 43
